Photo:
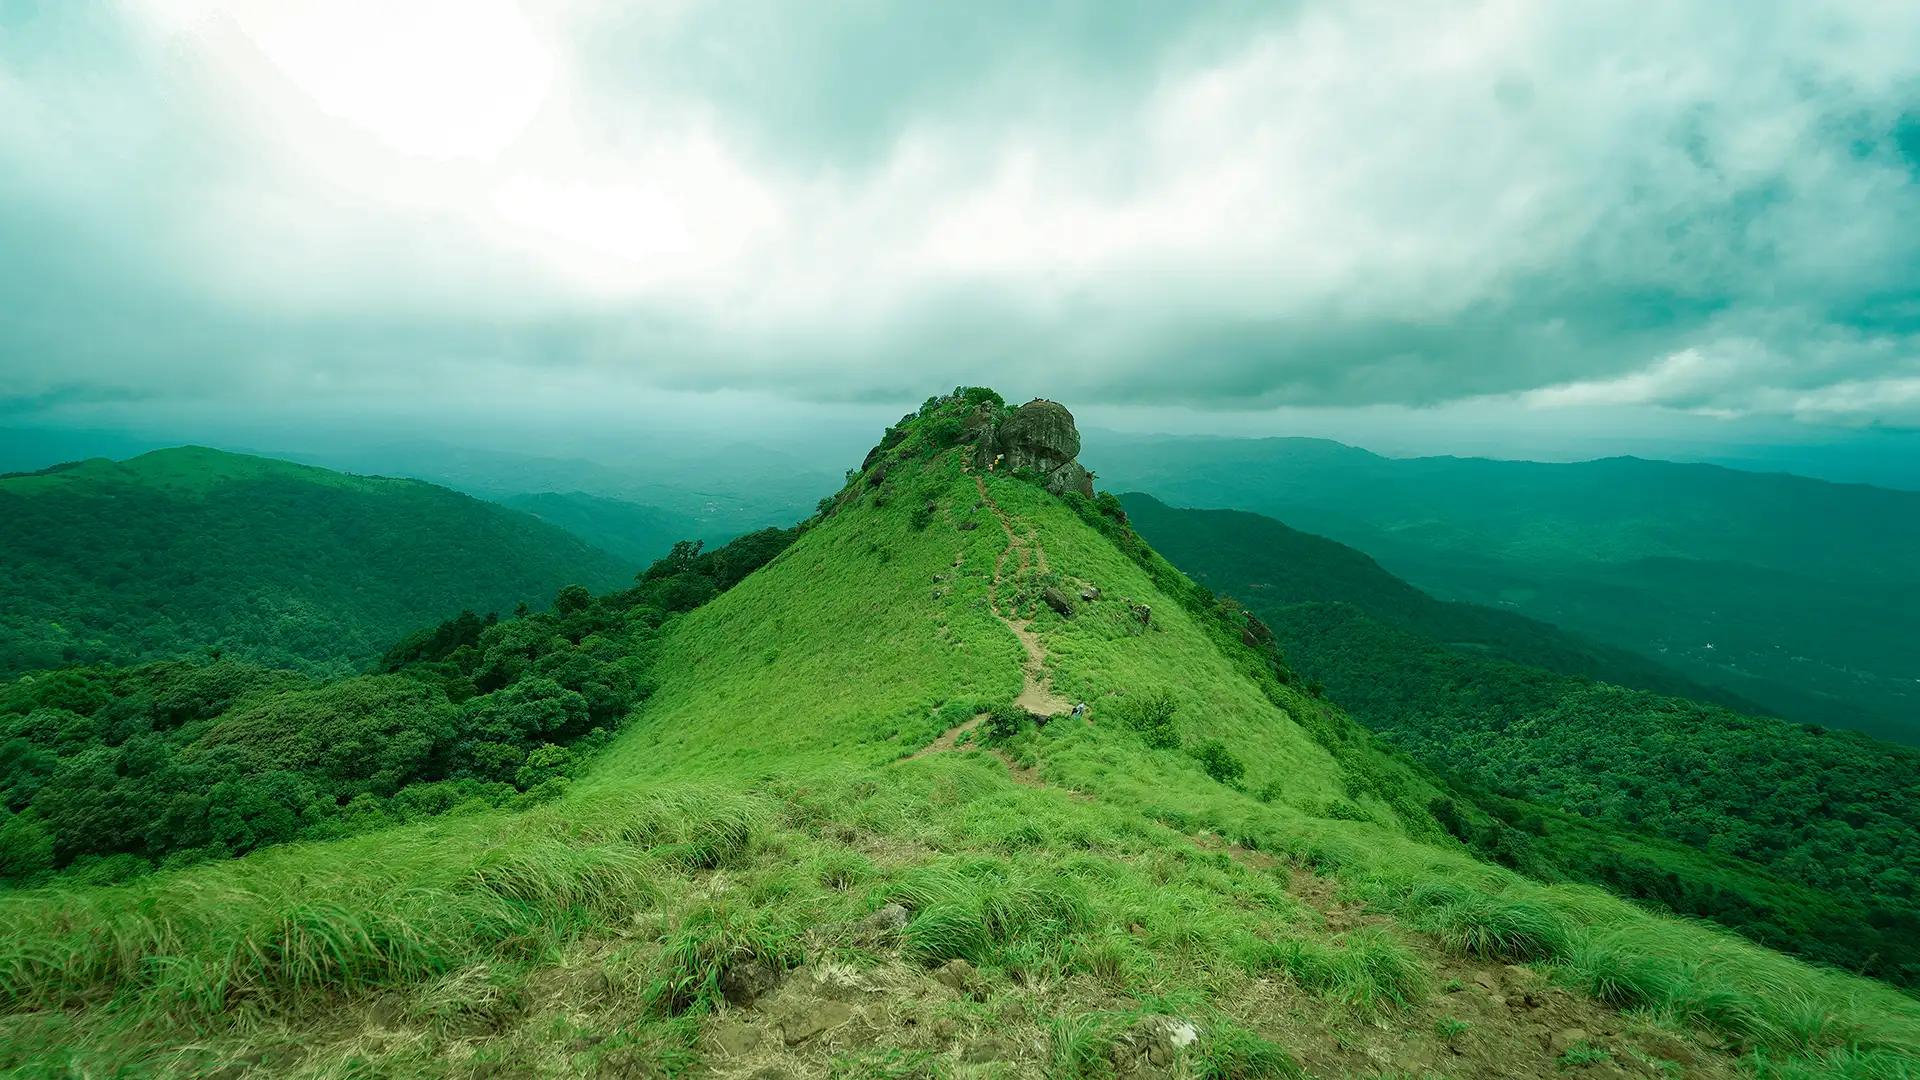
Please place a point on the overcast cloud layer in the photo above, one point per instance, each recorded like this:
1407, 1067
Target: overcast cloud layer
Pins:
1707, 210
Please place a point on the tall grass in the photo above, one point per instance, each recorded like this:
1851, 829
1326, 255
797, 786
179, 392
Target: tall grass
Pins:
1786, 1010
403, 907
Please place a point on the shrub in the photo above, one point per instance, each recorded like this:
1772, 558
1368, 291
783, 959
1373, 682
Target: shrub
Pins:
1006, 721
1220, 762
1152, 717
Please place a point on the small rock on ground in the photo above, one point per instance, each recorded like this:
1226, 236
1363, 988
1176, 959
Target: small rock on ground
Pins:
884, 924
745, 982
956, 974
812, 1019
1567, 1038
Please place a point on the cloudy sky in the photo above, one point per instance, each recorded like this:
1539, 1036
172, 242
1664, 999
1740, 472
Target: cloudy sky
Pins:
1621, 218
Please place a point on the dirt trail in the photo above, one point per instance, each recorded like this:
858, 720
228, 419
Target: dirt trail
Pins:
1037, 695
948, 738
1480, 1017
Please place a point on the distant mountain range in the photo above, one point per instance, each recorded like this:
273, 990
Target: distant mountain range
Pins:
1798, 595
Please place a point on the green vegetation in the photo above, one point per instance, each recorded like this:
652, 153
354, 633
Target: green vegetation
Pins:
1798, 594
1803, 838
106, 772
181, 551
1275, 567
764, 867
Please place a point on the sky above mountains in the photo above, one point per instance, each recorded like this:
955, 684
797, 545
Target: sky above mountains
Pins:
1492, 221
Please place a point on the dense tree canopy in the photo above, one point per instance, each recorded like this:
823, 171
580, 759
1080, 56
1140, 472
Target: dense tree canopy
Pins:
107, 771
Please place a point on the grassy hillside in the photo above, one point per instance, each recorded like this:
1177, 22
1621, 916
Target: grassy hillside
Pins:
176, 551
1794, 593
638, 534
1808, 834
828, 845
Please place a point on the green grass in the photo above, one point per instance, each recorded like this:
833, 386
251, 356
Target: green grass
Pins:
761, 804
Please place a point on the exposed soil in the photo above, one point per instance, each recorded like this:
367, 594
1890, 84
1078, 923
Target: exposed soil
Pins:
948, 738
1037, 695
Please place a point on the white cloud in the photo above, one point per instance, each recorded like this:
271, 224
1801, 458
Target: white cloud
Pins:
1561, 206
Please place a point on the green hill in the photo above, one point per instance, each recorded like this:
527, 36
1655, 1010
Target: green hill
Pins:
1521, 708
176, 551
1796, 594
854, 831
638, 534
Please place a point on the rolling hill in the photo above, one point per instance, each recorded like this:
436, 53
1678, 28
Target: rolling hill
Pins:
177, 551
856, 830
1272, 566
1796, 594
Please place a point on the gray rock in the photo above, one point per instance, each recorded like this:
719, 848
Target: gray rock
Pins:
1567, 1038
738, 1039
1152, 1046
884, 925
1040, 436
985, 1050
1142, 612
1058, 601
955, 973
1090, 593
746, 981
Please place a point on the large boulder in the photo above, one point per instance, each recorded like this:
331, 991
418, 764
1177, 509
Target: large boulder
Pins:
1039, 436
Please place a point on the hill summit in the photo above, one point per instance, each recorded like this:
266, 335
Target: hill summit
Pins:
853, 832
1039, 436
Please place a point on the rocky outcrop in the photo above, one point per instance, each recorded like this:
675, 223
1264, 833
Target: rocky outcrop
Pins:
1058, 601
1037, 436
